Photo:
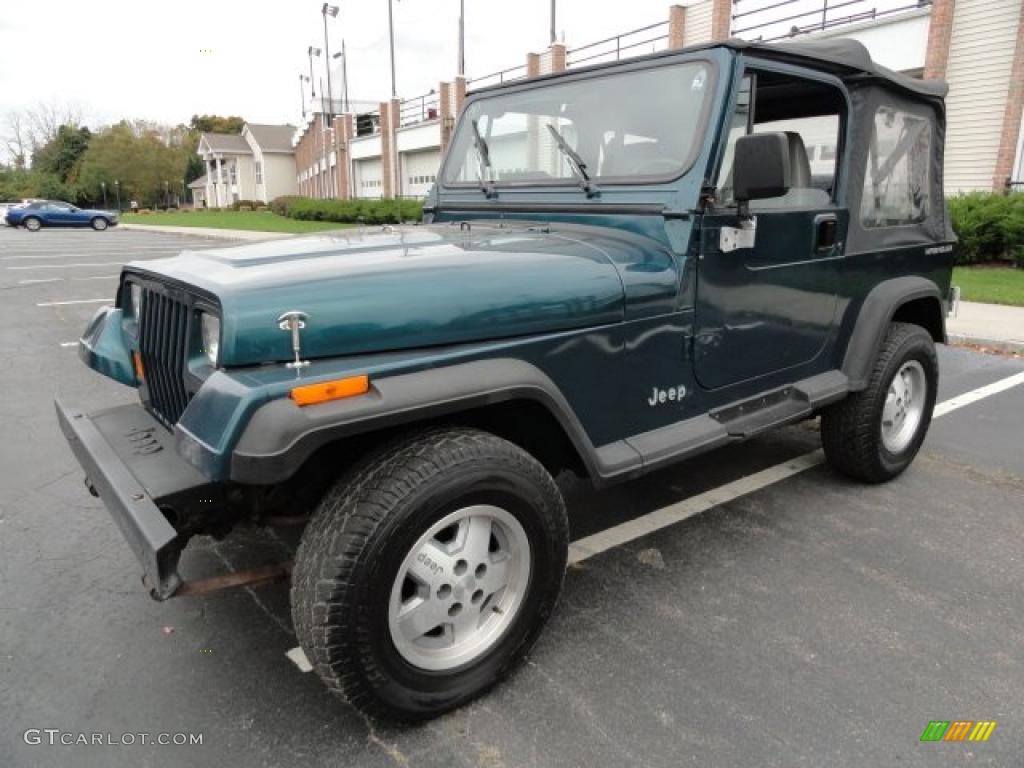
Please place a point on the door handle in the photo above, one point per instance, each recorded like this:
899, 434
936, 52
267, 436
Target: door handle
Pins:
826, 232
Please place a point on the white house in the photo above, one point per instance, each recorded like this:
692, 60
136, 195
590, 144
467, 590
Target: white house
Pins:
258, 164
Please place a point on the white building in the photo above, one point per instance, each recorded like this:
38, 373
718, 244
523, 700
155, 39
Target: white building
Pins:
258, 164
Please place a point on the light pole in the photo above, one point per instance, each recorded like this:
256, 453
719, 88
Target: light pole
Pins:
462, 37
312, 83
391, 38
332, 11
103, 186
117, 191
302, 93
167, 195
344, 76
554, 37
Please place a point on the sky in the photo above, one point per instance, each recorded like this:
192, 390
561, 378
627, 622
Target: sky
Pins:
165, 62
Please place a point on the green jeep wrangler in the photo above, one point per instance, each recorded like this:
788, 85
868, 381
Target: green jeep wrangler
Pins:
620, 267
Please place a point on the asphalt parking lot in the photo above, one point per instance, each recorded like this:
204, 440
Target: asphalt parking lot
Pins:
810, 622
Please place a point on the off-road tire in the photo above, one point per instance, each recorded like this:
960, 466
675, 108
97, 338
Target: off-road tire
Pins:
851, 429
365, 526
99, 223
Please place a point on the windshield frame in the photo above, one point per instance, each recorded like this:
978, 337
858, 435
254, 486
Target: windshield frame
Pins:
611, 69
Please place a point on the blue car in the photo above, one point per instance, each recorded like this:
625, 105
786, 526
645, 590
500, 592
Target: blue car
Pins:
51, 213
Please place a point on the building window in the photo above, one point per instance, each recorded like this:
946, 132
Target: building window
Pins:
259, 172
233, 173
897, 178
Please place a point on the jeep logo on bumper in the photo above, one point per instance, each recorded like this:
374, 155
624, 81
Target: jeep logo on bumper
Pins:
672, 394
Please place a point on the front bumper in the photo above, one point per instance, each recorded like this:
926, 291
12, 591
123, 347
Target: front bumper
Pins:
130, 461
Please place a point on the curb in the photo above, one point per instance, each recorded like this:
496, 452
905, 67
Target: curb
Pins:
1001, 345
220, 234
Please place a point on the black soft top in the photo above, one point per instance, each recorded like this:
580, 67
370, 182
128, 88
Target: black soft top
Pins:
846, 57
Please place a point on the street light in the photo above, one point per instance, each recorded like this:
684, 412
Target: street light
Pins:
391, 37
325, 11
312, 84
554, 37
462, 37
302, 93
103, 186
117, 190
344, 76
167, 195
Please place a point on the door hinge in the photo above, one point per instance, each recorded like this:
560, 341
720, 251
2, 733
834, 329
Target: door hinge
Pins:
733, 238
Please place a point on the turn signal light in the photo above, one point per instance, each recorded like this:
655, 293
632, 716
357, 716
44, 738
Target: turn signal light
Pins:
311, 394
140, 374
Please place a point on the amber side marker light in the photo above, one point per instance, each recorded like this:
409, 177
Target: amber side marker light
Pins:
140, 373
325, 391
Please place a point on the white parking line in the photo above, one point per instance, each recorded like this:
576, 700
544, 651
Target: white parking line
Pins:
69, 343
40, 280
617, 535
74, 301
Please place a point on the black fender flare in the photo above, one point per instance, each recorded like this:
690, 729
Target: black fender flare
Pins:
280, 436
873, 318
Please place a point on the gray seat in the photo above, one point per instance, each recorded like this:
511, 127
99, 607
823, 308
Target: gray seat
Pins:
802, 193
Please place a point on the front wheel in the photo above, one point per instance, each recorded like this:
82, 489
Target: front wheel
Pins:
874, 435
99, 223
32, 224
429, 571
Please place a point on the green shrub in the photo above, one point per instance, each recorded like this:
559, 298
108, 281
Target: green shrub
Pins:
280, 205
386, 211
244, 205
990, 227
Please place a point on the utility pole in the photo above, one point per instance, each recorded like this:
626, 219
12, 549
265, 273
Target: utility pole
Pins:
391, 37
462, 37
332, 11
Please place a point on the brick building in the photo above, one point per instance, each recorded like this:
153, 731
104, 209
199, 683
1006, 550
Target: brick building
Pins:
977, 45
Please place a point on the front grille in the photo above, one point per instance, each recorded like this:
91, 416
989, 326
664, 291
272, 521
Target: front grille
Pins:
163, 344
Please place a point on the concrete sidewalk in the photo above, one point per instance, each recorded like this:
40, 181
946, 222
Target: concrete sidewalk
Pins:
989, 325
224, 234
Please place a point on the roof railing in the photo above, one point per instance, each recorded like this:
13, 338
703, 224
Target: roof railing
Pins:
805, 19
654, 37
499, 77
419, 109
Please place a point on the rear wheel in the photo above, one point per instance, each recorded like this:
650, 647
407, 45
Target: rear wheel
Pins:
428, 572
874, 435
99, 223
32, 224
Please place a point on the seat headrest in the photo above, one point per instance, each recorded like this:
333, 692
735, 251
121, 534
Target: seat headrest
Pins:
799, 164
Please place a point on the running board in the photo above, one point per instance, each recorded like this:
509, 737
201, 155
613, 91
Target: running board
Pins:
781, 406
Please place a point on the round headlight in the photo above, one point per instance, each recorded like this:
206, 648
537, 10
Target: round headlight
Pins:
210, 326
136, 297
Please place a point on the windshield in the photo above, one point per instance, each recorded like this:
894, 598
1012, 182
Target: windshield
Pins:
629, 126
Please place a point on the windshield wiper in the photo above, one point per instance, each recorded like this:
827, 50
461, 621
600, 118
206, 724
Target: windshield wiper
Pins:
484, 153
575, 162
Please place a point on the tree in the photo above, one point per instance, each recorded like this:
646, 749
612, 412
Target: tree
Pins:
16, 139
141, 163
216, 124
61, 154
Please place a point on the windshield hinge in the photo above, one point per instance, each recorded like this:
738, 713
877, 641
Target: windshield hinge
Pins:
708, 193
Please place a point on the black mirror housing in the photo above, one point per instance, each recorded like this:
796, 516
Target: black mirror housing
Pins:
761, 166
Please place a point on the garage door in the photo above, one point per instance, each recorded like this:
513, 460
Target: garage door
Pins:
419, 171
369, 177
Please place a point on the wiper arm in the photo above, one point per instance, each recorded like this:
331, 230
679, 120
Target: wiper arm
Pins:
484, 153
575, 162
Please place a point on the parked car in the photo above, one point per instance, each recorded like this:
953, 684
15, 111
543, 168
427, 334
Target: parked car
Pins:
51, 213
642, 268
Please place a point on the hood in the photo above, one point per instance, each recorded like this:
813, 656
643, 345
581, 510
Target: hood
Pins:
400, 288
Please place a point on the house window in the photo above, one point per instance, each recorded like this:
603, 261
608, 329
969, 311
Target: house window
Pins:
896, 181
259, 172
233, 173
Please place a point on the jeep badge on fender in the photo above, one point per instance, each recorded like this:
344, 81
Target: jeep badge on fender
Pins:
585, 262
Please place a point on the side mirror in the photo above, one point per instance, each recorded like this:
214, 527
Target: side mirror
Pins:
761, 167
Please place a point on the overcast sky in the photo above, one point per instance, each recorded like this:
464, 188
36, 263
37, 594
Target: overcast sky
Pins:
168, 61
